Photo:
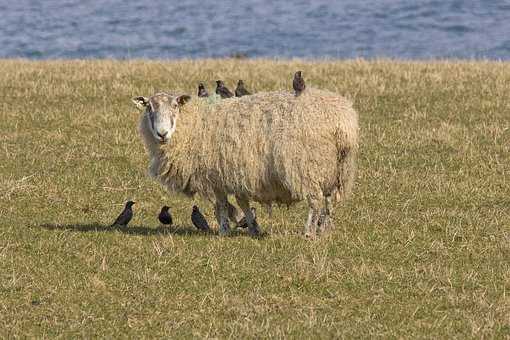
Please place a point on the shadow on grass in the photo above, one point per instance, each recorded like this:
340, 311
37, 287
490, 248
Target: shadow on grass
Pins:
139, 230
131, 230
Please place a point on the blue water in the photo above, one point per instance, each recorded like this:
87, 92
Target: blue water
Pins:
261, 28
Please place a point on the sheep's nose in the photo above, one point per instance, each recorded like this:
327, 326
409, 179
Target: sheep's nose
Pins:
162, 135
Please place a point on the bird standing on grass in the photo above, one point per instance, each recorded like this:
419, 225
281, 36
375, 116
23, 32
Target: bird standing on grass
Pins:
298, 84
243, 223
199, 220
202, 92
222, 90
164, 216
125, 216
241, 90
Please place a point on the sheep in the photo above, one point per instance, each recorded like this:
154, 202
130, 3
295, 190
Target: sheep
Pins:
270, 147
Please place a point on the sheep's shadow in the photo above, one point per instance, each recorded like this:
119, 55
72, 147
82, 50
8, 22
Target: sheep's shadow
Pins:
130, 230
139, 230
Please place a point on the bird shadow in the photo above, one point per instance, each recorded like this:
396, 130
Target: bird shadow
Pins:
131, 230
138, 230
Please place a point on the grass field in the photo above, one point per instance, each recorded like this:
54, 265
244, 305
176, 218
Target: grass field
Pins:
422, 249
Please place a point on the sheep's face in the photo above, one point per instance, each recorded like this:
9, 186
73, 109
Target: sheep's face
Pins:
161, 111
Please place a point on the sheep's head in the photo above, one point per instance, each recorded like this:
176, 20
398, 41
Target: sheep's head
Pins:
161, 111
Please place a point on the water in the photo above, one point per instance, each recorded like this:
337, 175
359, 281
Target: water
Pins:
166, 29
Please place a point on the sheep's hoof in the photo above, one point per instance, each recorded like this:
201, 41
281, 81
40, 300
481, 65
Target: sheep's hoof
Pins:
310, 231
310, 235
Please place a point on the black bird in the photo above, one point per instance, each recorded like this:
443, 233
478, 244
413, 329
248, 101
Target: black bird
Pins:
125, 216
243, 223
298, 84
202, 92
222, 90
199, 220
164, 216
241, 90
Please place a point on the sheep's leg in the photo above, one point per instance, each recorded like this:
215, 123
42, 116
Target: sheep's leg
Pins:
221, 212
234, 215
313, 218
244, 204
309, 232
325, 223
311, 223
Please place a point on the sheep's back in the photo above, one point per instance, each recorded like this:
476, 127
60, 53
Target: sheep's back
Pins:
271, 146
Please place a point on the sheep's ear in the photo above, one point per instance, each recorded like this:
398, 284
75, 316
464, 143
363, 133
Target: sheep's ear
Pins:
181, 100
140, 102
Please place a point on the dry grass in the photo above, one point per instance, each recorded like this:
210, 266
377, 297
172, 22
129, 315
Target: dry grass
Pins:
421, 250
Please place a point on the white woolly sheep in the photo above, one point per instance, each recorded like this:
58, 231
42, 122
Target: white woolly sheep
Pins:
270, 147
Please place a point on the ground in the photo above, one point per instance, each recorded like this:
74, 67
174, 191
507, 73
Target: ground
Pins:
421, 250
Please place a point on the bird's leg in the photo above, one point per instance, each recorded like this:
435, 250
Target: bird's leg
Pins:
244, 204
221, 212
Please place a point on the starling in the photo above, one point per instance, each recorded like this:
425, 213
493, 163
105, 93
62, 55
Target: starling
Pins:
241, 90
202, 92
198, 219
243, 223
222, 90
164, 216
125, 216
299, 83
